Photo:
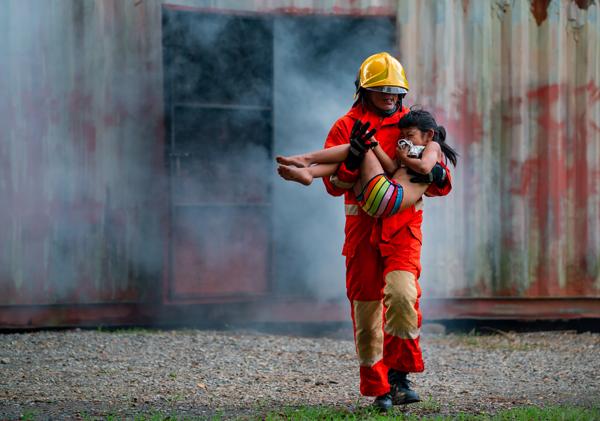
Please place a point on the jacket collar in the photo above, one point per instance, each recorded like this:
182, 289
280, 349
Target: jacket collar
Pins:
360, 112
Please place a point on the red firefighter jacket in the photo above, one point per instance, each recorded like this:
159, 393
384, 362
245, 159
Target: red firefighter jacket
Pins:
359, 225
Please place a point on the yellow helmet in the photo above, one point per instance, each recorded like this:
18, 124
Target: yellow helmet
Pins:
382, 72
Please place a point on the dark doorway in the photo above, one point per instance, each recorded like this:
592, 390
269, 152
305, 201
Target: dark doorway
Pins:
227, 78
218, 84
316, 62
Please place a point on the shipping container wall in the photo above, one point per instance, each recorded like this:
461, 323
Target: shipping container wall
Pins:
85, 189
517, 85
304, 7
310, 54
81, 174
83, 182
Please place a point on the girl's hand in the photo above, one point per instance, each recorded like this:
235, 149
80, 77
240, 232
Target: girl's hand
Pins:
372, 143
401, 153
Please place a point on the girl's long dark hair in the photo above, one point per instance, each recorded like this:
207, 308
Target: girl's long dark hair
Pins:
423, 120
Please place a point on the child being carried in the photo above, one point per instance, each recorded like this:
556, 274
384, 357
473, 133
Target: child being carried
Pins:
384, 186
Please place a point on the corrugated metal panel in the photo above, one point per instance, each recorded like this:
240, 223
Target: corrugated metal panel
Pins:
82, 158
517, 84
363, 7
80, 178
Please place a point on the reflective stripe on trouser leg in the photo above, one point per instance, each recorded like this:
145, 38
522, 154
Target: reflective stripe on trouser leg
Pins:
368, 335
402, 321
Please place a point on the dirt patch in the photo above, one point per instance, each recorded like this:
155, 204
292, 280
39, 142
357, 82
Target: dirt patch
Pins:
200, 373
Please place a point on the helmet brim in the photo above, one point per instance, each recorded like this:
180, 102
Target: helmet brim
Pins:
388, 89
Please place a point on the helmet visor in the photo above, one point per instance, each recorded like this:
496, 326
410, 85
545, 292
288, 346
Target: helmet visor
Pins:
389, 89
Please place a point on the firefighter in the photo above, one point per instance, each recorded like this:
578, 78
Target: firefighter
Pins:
382, 254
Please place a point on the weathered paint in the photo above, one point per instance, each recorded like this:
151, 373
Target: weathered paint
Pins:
517, 86
81, 173
326, 7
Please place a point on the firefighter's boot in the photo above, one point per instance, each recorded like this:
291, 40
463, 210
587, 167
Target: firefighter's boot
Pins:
383, 403
401, 392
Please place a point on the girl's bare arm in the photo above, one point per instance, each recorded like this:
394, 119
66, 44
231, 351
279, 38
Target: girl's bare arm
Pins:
424, 165
388, 164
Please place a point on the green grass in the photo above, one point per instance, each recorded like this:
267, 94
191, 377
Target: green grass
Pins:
517, 414
333, 414
430, 405
556, 413
177, 397
152, 416
28, 415
550, 414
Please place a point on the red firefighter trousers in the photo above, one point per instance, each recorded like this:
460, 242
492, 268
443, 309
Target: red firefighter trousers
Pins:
383, 289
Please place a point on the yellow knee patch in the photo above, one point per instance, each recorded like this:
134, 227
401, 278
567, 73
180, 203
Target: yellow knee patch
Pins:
400, 297
368, 317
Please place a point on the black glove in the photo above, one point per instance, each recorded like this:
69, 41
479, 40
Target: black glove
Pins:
437, 176
359, 144
365, 138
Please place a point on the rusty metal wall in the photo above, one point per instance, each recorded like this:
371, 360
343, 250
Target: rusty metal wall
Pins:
517, 84
82, 179
359, 7
80, 151
82, 182
82, 187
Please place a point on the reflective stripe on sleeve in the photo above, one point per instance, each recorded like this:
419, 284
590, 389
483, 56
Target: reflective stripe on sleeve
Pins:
351, 210
339, 183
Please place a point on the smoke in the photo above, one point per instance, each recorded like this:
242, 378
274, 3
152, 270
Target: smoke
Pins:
80, 185
316, 61
297, 72
83, 180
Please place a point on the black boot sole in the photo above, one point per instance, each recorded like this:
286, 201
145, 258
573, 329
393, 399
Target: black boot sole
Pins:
406, 399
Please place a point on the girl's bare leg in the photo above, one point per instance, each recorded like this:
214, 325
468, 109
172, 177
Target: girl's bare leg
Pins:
299, 161
371, 167
306, 175
412, 191
335, 154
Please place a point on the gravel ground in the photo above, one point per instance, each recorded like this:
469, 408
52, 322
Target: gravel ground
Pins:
69, 374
